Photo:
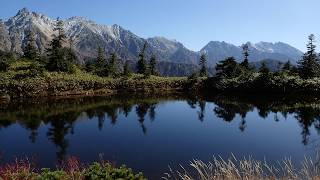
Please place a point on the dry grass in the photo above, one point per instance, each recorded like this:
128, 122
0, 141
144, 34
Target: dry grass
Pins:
19, 169
246, 169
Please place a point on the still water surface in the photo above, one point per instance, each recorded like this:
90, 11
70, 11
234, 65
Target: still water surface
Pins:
148, 134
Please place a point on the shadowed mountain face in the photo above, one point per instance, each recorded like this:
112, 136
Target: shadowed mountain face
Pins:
87, 36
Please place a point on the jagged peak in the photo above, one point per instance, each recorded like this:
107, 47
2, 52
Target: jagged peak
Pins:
23, 11
116, 26
248, 43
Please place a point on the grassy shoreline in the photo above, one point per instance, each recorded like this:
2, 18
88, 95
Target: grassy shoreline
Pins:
64, 84
57, 84
25, 80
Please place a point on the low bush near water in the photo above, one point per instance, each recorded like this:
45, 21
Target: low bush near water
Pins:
255, 82
71, 169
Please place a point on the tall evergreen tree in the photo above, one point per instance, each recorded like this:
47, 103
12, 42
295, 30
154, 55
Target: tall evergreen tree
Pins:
264, 70
142, 65
227, 68
101, 60
30, 51
61, 34
113, 65
287, 66
59, 57
152, 64
245, 52
203, 66
309, 66
126, 69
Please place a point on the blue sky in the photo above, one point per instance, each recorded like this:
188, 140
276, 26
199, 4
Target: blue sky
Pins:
192, 22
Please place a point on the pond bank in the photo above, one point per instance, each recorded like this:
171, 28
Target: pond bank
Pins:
63, 84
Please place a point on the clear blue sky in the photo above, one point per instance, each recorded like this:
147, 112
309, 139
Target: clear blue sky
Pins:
192, 22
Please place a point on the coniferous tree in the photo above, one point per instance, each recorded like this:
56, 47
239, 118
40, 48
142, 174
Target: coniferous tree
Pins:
101, 60
126, 69
59, 57
203, 66
30, 51
142, 65
287, 66
100, 67
245, 52
152, 64
227, 68
112, 65
309, 66
264, 70
61, 34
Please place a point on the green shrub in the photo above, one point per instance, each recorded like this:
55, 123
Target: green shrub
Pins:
28, 70
36, 69
47, 174
24, 169
99, 171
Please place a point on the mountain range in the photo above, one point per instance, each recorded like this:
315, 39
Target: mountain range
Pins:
87, 36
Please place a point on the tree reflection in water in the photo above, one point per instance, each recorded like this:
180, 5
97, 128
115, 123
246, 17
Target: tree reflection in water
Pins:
61, 126
62, 115
306, 110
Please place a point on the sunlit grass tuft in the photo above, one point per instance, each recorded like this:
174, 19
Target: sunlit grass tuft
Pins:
245, 169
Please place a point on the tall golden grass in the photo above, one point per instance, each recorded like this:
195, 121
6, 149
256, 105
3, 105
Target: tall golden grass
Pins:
246, 169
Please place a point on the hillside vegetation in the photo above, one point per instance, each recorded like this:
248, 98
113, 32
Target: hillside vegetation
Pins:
25, 79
